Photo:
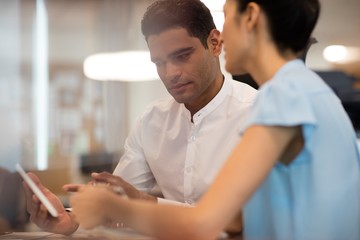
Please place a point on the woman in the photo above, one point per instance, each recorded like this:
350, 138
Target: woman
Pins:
295, 173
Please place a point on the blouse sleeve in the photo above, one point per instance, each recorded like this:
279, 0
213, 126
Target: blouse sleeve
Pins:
281, 104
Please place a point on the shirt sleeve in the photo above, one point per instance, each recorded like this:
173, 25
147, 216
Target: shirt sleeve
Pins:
172, 202
133, 166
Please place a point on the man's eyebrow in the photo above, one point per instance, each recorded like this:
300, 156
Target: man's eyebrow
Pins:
181, 51
176, 53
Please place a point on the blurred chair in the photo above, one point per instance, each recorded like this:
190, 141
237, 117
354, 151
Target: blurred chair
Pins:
13, 215
344, 87
98, 162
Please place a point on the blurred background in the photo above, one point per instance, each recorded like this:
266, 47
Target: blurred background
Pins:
68, 99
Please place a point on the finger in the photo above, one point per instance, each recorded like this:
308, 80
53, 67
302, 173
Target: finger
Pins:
32, 202
107, 177
92, 182
28, 193
41, 217
82, 189
103, 176
35, 178
32, 205
72, 187
96, 182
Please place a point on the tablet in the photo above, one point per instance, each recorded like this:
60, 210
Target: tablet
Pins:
36, 190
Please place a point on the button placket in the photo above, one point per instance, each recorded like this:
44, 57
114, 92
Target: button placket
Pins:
189, 162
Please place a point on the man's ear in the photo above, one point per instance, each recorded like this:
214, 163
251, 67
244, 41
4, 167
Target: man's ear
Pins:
214, 42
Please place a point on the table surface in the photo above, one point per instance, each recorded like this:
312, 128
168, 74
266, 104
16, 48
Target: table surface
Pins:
95, 234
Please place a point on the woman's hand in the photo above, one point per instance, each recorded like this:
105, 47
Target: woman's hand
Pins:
90, 203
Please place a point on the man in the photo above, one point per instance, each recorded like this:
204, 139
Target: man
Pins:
179, 143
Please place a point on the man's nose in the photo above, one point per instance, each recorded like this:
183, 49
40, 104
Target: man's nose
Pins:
173, 71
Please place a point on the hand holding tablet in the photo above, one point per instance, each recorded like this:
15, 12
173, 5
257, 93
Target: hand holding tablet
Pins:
36, 190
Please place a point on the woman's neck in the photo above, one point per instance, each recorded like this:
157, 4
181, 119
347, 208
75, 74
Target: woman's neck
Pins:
267, 63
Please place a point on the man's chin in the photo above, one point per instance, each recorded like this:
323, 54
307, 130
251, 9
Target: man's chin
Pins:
182, 99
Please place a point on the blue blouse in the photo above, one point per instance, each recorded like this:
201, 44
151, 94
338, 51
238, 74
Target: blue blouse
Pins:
316, 196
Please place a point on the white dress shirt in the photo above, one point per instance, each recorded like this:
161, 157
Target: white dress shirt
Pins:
181, 156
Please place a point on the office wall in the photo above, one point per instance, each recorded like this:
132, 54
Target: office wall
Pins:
10, 88
83, 116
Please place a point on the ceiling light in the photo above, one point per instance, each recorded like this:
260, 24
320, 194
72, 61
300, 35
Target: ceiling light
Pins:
120, 66
335, 53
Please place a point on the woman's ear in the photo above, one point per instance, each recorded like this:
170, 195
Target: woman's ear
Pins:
252, 14
214, 42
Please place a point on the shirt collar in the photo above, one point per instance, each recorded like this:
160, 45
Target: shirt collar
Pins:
213, 104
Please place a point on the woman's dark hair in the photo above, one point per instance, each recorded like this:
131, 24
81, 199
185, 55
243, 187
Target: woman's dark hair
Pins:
192, 15
291, 22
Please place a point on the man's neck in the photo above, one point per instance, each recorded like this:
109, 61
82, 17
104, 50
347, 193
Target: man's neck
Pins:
203, 101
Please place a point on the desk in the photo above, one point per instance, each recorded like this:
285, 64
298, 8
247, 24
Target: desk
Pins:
95, 234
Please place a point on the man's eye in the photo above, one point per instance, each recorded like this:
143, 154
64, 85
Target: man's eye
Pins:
183, 56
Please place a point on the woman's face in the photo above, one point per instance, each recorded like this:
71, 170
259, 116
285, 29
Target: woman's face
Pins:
233, 36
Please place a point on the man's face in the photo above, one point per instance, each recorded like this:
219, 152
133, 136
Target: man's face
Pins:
186, 68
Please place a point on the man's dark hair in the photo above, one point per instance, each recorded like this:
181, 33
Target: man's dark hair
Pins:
291, 22
192, 15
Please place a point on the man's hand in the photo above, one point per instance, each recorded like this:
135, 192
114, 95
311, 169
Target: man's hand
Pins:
63, 224
116, 181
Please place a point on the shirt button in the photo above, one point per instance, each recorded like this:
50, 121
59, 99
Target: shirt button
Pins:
190, 202
188, 169
192, 138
